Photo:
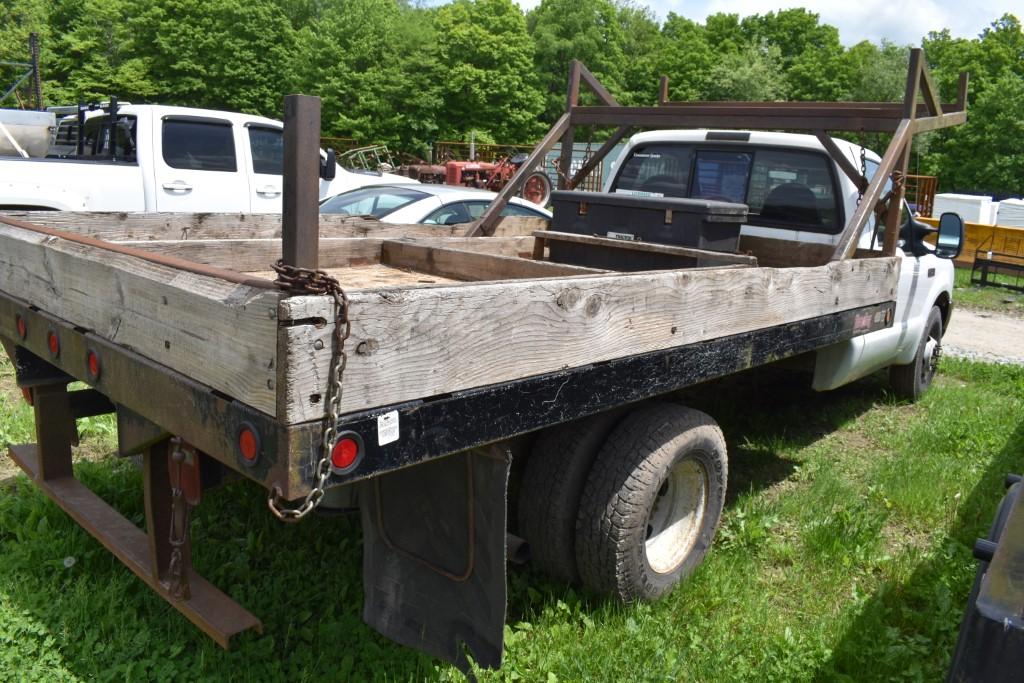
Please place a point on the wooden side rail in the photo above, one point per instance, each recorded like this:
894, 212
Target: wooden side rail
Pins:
704, 257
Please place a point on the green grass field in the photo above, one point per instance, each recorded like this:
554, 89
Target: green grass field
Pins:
844, 554
998, 299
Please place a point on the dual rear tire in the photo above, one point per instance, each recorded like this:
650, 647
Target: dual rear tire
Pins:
645, 500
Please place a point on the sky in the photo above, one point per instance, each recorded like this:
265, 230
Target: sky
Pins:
902, 23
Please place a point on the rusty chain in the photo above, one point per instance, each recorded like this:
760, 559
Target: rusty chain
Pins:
296, 280
176, 577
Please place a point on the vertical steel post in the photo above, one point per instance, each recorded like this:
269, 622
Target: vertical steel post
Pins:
55, 430
892, 216
300, 221
572, 99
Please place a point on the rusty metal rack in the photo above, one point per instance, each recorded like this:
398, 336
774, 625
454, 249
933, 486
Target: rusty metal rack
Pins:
902, 120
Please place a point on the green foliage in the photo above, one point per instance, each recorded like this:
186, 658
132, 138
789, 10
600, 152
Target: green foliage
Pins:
487, 80
404, 74
753, 73
587, 30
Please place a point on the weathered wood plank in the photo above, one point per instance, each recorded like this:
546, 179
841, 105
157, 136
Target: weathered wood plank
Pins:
120, 226
256, 255
471, 266
435, 340
703, 256
222, 334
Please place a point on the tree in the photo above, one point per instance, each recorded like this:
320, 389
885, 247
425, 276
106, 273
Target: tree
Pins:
752, 74
587, 30
987, 153
643, 41
686, 58
486, 60
222, 54
876, 73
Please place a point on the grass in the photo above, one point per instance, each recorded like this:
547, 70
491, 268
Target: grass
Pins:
988, 298
844, 555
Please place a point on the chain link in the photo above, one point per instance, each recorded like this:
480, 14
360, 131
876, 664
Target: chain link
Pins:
178, 536
296, 280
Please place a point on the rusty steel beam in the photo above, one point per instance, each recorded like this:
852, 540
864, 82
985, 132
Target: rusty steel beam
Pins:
851, 233
730, 117
572, 99
595, 86
489, 220
215, 613
837, 155
300, 219
598, 156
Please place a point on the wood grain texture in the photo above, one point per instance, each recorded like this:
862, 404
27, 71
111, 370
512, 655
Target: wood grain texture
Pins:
435, 340
704, 257
221, 334
471, 266
121, 226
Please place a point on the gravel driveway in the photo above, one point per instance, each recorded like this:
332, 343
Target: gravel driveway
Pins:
985, 336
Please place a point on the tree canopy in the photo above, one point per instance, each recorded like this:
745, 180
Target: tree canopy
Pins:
404, 74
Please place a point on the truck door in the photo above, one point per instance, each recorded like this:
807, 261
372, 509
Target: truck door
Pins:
196, 166
265, 147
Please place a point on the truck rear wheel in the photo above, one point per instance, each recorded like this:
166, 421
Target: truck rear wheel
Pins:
652, 502
910, 382
550, 491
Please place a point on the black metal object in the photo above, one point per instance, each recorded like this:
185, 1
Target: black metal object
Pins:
31, 72
995, 264
300, 220
439, 585
991, 643
699, 223
471, 418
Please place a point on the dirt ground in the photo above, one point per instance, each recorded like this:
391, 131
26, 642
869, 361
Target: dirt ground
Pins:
985, 336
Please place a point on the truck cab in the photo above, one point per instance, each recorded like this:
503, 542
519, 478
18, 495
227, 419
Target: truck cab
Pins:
166, 159
796, 192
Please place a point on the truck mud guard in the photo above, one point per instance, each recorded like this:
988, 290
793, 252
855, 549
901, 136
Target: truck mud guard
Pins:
434, 555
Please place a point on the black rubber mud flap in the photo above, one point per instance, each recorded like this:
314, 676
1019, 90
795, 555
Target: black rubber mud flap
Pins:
434, 556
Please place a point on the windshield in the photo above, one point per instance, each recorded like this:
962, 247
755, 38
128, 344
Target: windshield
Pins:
787, 188
372, 201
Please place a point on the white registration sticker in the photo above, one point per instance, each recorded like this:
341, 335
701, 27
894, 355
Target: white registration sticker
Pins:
621, 236
387, 428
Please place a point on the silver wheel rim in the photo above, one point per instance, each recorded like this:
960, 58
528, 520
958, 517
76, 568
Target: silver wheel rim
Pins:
932, 352
674, 523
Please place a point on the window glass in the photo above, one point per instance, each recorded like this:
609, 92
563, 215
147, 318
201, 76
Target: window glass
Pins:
199, 146
99, 134
721, 175
656, 171
371, 201
793, 188
520, 210
267, 145
452, 214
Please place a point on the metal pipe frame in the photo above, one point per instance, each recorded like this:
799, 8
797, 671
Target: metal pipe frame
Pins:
902, 119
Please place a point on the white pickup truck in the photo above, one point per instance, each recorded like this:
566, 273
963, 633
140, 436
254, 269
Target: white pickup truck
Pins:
168, 159
795, 191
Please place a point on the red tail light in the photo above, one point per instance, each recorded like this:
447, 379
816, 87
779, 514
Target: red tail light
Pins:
92, 365
346, 453
248, 444
21, 326
53, 342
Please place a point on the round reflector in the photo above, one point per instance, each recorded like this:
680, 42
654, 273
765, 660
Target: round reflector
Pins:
344, 454
53, 343
92, 365
21, 326
248, 444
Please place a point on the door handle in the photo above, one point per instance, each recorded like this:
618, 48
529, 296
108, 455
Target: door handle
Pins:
178, 186
268, 191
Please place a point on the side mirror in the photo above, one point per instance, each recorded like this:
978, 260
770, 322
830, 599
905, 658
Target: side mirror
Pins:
950, 238
329, 165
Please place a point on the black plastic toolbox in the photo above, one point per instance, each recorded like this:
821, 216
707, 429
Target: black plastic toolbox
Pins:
697, 223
